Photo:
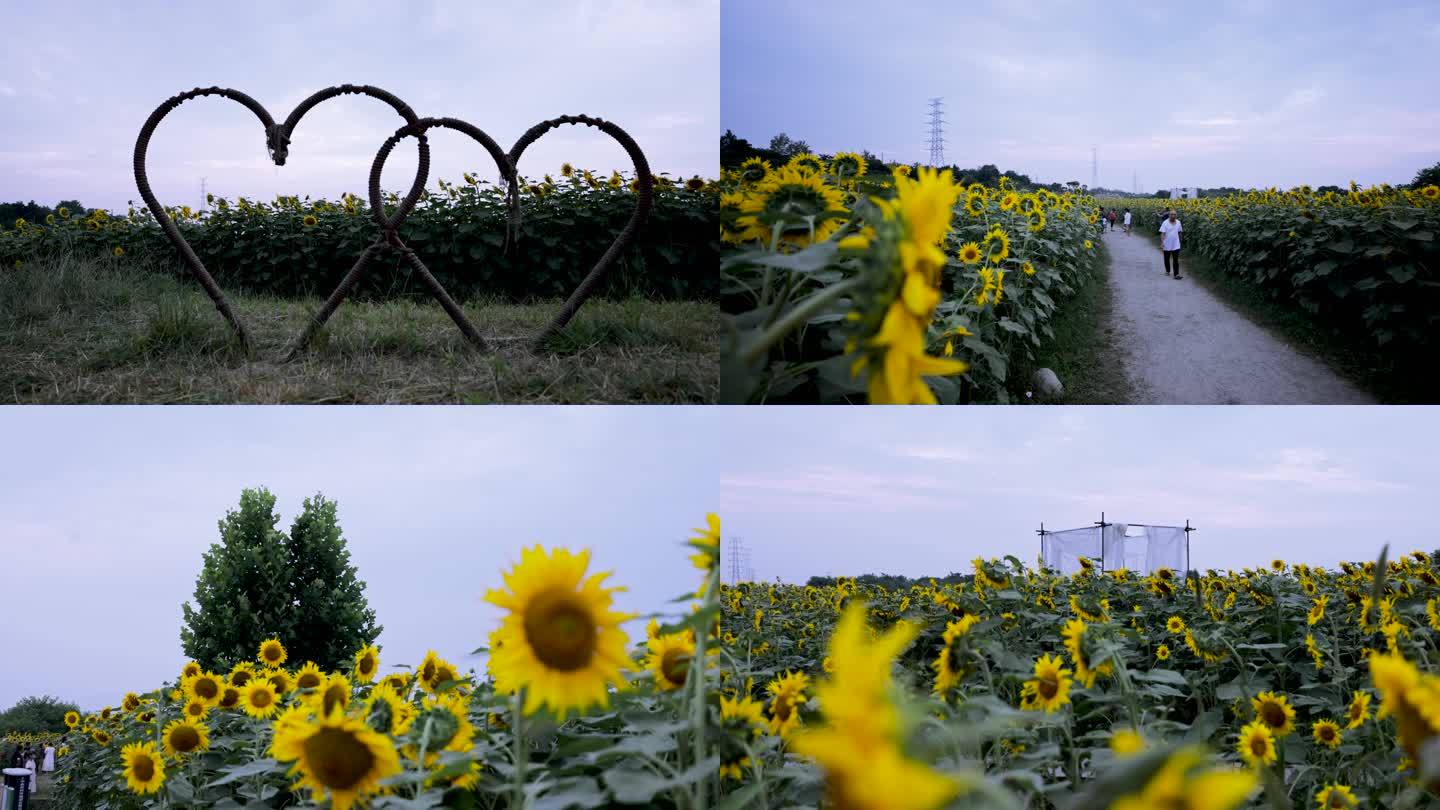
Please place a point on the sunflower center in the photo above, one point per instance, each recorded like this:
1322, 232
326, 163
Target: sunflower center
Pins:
184, 739
367, 664
1326, 733
1049, 687
337, 758
560, 630
1257, 746
195, 709
230, 697
207, 688
675, 665
782, 709
261, 698
1273, 714
143, 767
240, 678
308, 680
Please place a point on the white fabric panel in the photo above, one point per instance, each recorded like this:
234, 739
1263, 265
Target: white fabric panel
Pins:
1115, 545
1165, 548
1063, 550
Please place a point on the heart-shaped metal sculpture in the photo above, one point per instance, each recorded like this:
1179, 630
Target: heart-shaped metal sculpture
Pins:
277, 141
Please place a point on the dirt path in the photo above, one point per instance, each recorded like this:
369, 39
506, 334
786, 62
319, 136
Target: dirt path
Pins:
1182, 346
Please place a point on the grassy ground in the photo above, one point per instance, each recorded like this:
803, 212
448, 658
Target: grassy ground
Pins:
80, 332
1082, 353
1391, 379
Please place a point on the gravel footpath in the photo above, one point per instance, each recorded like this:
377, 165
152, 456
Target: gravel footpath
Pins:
1181, 346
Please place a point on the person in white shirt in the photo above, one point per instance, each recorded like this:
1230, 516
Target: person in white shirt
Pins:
1170, 242
1127, 220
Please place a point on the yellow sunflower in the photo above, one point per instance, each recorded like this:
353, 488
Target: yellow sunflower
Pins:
334, 695
144, 769
1275, 712
272, 653
1327, 733
241, 673
387, 713
560, 642
185, 737
367, 663
669, 659
753, 170
1337, 797
281, 680
100, 736
800, 203
997, 245
1049, 689
1358, 711
806, 162
196, 709
970, 253
204, 687
309, 676
72, 719
1256, 744
259, 699
707, 542
337, 758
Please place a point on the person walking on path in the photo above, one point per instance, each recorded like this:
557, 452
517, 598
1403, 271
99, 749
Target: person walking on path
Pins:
1127, 221
49, 764
1170, 242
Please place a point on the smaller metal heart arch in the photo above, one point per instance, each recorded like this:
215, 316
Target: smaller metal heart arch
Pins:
277, 142
644, 200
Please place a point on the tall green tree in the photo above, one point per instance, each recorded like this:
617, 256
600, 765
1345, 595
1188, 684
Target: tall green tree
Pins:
1429, 176
259, 582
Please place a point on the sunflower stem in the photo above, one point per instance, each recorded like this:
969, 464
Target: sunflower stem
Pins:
518, 800
802, 312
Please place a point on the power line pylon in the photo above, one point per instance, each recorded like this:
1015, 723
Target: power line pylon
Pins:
937, 131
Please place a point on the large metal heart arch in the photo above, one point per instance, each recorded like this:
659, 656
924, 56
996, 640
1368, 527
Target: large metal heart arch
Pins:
277, 137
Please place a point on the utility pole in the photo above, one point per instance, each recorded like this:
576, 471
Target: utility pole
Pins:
203, 198
1135, 182
1094, 167
937, 132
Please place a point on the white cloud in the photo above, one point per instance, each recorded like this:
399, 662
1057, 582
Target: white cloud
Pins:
1314, 468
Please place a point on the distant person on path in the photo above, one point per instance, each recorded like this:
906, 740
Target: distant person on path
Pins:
1170, 242
30, 766
1113, 217
1127, 221
49, 758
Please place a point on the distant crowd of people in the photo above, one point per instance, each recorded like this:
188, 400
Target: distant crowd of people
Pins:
33, 758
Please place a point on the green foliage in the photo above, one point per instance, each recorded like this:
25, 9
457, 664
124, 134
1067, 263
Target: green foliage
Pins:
462, 234
35, 715
259, 583
1428, 176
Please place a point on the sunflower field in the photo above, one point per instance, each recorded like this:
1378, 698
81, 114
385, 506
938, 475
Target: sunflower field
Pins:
1016, 687
571, 714
1366, 260
299, 247
908, 288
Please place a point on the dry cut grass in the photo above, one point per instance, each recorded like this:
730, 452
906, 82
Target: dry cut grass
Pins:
75, 331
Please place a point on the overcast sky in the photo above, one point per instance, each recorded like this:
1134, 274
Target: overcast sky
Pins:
105, 514
924, 491
77, 81
1246, 93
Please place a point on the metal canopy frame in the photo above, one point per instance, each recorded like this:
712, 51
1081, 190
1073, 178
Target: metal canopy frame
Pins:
1101, 524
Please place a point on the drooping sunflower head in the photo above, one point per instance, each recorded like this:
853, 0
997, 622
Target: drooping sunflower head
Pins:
997, 245
706, 542
848, 164
185, 736
367, 663
337, 758
797, 202
190, 670
753, 170
806, 162
131, 702
560, 641
387, 713
447, 718
696, 183
144, 770
272, 653
100, 736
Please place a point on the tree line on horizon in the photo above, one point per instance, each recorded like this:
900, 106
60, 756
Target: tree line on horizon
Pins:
35, 213
735, 150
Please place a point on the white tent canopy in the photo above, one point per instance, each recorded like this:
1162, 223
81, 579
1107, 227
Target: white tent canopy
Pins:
1137, 547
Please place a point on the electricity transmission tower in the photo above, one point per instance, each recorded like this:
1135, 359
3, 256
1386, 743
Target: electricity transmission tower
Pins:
937, 132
